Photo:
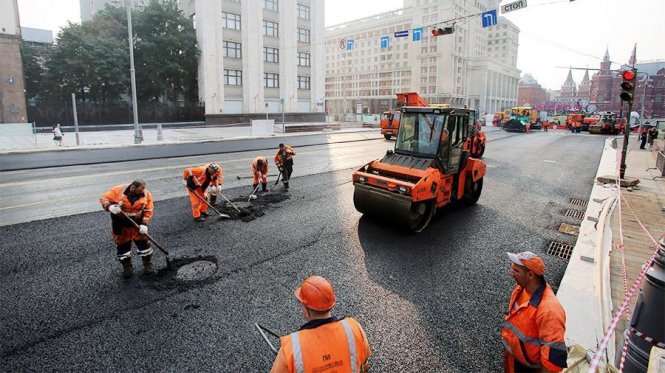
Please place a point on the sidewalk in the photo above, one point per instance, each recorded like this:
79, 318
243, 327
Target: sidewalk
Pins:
648, 203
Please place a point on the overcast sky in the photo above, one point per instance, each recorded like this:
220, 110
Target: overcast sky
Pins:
553, 33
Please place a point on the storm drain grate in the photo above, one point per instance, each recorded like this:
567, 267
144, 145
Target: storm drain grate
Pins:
577, 214
578, 202
560, 249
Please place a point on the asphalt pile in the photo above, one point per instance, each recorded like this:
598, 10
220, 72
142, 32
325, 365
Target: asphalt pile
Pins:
252, 209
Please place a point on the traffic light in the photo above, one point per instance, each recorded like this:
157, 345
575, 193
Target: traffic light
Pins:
443, 31
628, 85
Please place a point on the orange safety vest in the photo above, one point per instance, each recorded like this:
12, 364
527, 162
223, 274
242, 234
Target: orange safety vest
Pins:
140, 210
339, 345
199, 174
289, 152
533, 332
255, 165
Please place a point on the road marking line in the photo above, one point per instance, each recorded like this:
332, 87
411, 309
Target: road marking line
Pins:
549, 161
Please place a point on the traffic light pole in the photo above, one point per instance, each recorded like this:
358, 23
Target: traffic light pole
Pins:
626, 135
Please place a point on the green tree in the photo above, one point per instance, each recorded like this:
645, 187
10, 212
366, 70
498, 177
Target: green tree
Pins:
34, 70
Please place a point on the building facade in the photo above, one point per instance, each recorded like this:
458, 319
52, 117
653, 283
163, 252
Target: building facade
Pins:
12, 83
569, 91
453, 69
530, 93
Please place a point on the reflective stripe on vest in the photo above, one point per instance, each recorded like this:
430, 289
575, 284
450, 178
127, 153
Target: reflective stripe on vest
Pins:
350, 340
534, 341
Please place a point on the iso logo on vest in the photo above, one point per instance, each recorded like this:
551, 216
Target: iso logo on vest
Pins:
513, 6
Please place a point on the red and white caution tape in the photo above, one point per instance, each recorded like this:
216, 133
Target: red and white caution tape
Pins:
645, 337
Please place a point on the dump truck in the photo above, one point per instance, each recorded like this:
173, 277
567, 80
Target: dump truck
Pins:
522, 119
429, 168
389, 123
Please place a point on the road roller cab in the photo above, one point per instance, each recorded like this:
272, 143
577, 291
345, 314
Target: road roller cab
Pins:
429, 168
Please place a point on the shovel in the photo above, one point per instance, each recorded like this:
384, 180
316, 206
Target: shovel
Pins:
163, 250
277, 181
221, 216
231, 203
253, 195
261, 330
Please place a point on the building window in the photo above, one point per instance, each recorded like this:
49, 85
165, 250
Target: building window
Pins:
232, 49
270, 5
232, 77
270, 54
231, 20
194, 21
303, 82
270, 28
303, 59
303, 11
270, 80
303, 35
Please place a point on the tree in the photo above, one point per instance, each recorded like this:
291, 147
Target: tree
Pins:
34, 70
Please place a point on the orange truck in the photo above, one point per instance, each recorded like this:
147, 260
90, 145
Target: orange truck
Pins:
389, 123
429, 168
574, 122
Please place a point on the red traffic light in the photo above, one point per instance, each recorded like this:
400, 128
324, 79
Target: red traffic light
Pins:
435, 32
628, 75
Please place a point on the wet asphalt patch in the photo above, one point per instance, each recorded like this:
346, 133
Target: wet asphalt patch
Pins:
185, 273
254, 208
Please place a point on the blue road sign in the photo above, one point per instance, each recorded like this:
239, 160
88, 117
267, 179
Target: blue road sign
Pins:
417, 34
402, 34
349, 45
281, 101
385, 42
489, 18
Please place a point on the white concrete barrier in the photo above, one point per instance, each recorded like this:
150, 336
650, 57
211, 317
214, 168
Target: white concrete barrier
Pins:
17, 136
262, 127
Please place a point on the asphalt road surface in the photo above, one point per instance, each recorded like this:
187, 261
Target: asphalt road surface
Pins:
428, 302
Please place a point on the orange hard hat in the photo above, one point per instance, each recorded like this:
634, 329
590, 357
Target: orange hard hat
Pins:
316, 293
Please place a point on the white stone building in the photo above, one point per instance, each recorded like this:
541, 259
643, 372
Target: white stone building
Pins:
455, 69
259, 55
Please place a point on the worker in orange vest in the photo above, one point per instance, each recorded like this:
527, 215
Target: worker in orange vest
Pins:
260, 169
324, 342
136, 202
535, 324
197, 180
284, 162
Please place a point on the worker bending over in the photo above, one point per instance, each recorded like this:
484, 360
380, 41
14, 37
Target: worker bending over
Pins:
324, 343
535, 324
197, 180
260, 169
136, 202
284, 162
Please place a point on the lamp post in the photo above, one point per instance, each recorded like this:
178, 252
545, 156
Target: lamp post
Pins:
138, 133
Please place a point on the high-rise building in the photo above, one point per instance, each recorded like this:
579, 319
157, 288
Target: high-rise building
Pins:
12, 85
259, 55
90, 7
455, 69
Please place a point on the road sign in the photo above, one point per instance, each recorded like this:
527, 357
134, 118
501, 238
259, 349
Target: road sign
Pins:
342, 44
402, 34
281, 101
385, 42
349, 45
417, 34
513, 6
489, 18
11, 80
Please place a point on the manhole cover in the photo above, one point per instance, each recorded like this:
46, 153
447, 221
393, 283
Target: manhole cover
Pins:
574, 214
196, 271
578, 202
560, 249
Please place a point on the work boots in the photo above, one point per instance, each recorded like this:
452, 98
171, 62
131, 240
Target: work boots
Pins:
127, 269
286, 185
254, 186
148, 268
264, 187
213, 200
200, 219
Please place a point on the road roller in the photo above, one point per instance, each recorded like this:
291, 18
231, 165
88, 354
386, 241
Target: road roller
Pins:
429, 168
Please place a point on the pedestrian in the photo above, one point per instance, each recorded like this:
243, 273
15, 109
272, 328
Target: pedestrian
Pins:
643, 138
324, 343
57, 134
284, 162
260, 169
653, 135
136, 203
198, 180
535, 324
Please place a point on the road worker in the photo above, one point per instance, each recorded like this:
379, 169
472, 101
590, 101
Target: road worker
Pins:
198, 180
535, 324
135, 201
324, 342
260, 169
284, 162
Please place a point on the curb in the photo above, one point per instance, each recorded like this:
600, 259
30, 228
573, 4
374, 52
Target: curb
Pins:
584, 291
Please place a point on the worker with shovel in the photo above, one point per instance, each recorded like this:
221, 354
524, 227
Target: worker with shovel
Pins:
260, 169
284, 162
324, 342
197, 180
134, 202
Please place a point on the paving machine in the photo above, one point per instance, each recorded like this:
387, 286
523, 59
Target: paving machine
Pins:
522, 119
429, 168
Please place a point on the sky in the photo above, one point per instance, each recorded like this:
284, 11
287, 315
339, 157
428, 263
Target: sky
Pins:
554, 34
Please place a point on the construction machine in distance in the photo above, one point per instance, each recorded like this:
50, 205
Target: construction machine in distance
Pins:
522, 119
429, 168
389, 123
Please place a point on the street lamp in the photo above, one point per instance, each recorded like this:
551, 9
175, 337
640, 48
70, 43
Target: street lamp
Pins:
138, 134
